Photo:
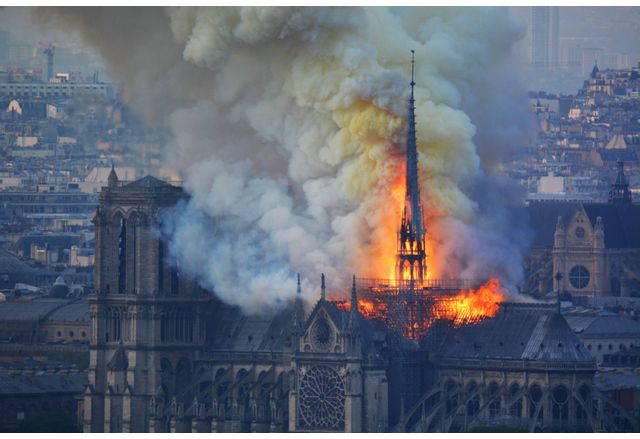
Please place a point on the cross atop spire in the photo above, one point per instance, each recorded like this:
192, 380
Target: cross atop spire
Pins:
413, 63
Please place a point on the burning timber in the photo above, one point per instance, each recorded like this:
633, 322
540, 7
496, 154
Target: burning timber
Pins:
410, 308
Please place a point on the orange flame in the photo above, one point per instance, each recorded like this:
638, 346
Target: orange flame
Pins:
471, 306
465, 307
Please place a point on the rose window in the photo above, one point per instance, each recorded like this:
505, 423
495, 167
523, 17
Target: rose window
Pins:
321, 404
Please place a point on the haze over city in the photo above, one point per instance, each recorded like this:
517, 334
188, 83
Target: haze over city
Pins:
320, 219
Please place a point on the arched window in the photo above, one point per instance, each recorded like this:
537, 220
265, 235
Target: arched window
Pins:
132, 248
473, 398
122, 257
117, 325
560, 404
516, 407
493, 394
535, 401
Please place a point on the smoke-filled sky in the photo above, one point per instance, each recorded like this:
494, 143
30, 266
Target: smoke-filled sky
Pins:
287, 126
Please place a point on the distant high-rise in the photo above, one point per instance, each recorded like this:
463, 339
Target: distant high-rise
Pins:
4, 47
545, 25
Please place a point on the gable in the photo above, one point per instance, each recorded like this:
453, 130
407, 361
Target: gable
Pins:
322, 329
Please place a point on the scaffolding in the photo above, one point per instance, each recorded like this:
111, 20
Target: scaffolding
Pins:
409, 308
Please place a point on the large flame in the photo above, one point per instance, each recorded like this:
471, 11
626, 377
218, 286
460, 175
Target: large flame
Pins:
462, 308
471, 306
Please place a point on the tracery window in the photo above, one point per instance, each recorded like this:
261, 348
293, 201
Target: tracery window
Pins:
321, 335
560, 406
579, 277
321, 404
535, 401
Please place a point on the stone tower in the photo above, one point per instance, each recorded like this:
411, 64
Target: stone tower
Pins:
147, 321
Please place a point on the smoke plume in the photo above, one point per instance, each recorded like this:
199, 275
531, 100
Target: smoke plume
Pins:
289, 133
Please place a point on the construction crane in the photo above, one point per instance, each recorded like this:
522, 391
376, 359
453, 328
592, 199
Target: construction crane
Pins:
49, 50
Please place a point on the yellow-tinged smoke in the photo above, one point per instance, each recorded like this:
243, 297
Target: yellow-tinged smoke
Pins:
293, 149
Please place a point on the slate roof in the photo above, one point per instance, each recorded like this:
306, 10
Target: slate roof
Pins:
76, 312
268, 333
25, 311
604, 323
42, 383
235, 331
148, 181
518, 332
620, 221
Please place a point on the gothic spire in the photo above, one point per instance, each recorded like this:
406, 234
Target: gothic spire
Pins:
412, 187
354, 303
112, 179
298, 309
411, 263
323, 290
620, 192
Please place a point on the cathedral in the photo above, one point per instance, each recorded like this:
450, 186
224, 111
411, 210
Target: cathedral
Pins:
168, 356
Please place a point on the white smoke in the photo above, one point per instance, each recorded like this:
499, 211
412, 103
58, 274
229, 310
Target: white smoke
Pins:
292, 151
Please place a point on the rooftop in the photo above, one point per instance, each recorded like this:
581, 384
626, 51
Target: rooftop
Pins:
518, 332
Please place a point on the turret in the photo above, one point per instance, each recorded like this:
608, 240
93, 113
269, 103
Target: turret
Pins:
299, 309
559, 235
353, 314
595, 72
620, 193
112, 180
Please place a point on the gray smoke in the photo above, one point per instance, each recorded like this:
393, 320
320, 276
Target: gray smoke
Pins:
287, 125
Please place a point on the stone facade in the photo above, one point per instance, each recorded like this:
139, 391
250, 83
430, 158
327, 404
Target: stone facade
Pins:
592, 249
166, 356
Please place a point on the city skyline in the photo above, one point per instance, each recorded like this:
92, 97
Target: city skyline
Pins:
319, 219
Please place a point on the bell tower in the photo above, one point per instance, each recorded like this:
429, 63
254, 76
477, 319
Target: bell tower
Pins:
147, 321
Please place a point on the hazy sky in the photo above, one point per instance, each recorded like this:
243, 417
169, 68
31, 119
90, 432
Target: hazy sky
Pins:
613, 29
